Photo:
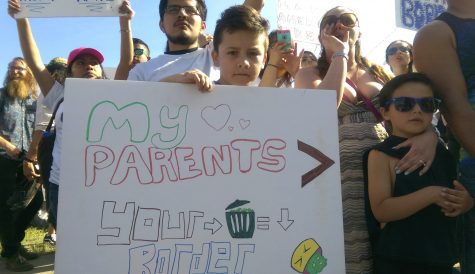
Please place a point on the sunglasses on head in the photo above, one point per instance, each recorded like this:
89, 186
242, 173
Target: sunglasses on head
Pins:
393, 50
346, 19
139, 52
405, 104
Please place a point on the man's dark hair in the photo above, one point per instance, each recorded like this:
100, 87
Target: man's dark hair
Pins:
141, 42
237, 18
200, 6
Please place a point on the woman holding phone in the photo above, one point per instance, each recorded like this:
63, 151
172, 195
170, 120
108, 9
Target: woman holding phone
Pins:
357, 83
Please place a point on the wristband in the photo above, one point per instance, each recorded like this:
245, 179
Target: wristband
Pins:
124, 30
340, 53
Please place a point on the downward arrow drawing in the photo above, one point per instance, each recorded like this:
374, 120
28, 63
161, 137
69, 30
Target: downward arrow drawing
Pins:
285, 222
214, 226
325, 162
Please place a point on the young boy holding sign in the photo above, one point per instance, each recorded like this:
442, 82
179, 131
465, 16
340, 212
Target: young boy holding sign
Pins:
240, 46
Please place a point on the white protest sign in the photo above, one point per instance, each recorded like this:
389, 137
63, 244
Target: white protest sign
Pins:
161, 178
68, 8
299, 17
414, 14
376, 21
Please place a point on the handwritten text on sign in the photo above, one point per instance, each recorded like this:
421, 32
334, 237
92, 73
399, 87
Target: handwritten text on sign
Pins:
165, 179
68, 8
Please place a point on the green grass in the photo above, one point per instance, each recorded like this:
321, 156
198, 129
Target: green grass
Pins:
34, 241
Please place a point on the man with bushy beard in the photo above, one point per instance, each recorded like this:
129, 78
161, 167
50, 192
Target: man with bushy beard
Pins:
17, 118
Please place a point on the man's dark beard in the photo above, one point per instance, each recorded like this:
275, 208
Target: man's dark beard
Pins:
182, 40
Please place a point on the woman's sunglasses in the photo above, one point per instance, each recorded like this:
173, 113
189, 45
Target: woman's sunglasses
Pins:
393, 50
346, 19
405, 104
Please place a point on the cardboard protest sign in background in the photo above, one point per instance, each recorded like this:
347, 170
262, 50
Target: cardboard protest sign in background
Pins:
414, 14
160, 178
380, 22
51, 8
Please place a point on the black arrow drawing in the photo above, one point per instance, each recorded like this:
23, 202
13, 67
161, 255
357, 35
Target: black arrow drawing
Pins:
285, 221
325, 162
213, 226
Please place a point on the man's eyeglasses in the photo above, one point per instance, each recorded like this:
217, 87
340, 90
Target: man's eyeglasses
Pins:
139, 52
393, 50
405, 104
175, 9
346, 19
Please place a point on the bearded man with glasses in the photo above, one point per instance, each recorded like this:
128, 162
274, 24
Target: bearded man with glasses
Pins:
182, 21
17, 117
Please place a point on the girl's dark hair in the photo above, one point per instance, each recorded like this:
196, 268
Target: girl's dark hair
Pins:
410, 66
390, 87
376, 70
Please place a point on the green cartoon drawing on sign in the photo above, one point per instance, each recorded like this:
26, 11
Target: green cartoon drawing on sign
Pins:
308, 258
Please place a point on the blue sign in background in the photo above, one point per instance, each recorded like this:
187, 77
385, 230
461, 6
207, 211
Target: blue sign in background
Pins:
414, 14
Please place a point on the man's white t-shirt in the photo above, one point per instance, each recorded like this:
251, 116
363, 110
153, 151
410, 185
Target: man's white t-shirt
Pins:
178, 62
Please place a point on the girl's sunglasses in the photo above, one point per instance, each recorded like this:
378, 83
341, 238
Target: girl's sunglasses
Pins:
346, 19
393, 50
139, 52
405, 104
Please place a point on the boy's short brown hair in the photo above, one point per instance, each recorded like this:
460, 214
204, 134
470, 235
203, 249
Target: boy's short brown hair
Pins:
238, 18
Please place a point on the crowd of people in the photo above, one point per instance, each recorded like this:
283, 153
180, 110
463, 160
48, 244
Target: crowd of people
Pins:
407, 201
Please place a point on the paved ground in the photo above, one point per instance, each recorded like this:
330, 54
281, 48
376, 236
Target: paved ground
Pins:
43, 265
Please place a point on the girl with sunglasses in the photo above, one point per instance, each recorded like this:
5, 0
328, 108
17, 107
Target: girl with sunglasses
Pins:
399, 57
411, 218
357, 82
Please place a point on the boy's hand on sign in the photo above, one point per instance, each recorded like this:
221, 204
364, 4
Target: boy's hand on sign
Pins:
201, 80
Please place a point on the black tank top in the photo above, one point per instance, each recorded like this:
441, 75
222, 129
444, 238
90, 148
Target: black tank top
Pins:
427, 236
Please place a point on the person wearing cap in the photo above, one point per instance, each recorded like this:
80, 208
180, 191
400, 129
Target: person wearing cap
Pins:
83, 62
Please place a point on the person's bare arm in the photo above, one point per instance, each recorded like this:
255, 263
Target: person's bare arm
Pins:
30, 50
126, 43
255, 4
10, 148
337, 72
441, 64
387, 208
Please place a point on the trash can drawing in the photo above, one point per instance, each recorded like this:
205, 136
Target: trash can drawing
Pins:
241, 222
